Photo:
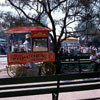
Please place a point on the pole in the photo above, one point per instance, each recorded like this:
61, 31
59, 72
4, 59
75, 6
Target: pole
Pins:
56, 95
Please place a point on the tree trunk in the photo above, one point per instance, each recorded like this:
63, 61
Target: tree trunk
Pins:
57, 62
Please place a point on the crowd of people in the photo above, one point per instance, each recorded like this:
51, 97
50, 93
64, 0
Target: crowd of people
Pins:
78, 50
92, 51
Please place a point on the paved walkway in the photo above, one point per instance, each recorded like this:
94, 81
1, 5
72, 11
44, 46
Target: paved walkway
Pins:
83, 95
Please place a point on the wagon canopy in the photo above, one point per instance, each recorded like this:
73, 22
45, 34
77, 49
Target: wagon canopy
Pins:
25, 29
71, 38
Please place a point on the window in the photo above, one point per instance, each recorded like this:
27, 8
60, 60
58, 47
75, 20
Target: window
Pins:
16, 42
40, 44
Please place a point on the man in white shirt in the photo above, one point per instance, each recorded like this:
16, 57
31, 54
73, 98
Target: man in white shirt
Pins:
27, 48
26, 44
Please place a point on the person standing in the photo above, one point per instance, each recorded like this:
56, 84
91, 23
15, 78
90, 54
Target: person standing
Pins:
95, 60
26, 44
27, 48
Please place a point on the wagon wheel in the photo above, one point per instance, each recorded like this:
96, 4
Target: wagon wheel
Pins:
48, 68
15, 70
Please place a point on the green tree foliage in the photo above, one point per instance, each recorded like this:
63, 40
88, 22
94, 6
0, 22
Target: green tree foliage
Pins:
9, 20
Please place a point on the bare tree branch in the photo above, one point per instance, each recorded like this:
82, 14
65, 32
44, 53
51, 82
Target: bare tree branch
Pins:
33, 19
